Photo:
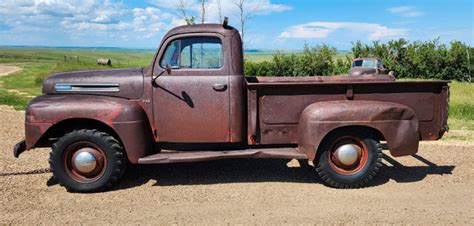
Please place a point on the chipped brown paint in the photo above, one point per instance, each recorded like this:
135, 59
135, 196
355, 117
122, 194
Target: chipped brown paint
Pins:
222, 110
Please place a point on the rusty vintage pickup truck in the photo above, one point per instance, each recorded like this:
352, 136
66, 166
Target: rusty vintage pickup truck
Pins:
193, 103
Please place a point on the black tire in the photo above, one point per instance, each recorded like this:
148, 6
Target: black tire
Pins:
355, 176
105, 148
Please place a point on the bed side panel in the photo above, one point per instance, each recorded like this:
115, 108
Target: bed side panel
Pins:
280, 105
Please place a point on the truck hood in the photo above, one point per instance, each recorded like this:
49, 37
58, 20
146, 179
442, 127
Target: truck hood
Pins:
126, 83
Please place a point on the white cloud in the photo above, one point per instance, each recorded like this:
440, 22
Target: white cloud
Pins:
114, 20
406, 11
324, 29
228, 8
84, 18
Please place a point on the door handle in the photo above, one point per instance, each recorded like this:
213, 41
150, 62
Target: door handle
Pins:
219, 87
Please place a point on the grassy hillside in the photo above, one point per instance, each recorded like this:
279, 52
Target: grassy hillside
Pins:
37, 63
260, 56
461, 106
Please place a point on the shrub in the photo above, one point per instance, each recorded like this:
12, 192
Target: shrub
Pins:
419, 60
422, 59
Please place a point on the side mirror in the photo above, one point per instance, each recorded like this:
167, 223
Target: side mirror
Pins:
167, 70
392, 75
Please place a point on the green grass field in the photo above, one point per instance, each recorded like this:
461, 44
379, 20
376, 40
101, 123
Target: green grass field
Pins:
261, 56
37, 63
461, 106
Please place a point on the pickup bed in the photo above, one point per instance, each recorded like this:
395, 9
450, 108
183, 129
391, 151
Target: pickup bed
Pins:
193, 103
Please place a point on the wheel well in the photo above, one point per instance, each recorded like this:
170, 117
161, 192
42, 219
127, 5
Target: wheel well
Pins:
59, 129
363, 129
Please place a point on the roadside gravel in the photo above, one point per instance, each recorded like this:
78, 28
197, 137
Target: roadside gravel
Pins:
435, 187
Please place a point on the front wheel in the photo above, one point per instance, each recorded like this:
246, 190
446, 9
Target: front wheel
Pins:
87, 160
349, 159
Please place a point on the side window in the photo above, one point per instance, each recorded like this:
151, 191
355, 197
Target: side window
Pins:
357, 63
171, 56
195, 53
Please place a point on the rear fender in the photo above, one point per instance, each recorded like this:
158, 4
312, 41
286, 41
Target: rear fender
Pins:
126, 118
396, 123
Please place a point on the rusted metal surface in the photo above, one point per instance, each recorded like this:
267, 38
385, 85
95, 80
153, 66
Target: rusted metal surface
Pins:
219, 105
397, 123
187, 106
194, 156
320, 79
426, 99
126, 83
252, 120
188, 109
359, 69
237, 109
46, 114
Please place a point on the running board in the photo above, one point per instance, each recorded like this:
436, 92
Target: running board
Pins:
169, 156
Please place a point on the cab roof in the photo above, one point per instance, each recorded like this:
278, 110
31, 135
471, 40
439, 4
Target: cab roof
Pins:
226, 31
367, 58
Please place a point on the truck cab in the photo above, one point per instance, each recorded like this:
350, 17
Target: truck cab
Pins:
193, 103
206, 66
363, 66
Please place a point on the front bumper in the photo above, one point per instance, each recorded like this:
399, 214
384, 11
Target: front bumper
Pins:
19, 148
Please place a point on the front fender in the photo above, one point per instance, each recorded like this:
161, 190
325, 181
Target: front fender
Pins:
396, 123
125, 117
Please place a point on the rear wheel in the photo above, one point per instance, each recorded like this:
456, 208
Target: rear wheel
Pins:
87, 160
349, 159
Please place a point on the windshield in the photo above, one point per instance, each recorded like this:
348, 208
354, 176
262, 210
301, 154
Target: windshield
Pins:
369, 63
365, 63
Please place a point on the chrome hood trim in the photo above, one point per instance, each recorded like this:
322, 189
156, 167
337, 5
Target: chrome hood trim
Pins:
87, 87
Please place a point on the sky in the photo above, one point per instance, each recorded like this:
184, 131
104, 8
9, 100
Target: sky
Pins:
270, 25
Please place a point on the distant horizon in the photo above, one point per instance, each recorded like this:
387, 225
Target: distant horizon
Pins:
75, 47
253, 50
139, 48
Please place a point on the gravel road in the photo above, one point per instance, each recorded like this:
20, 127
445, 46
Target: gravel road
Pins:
434, 187
7, 69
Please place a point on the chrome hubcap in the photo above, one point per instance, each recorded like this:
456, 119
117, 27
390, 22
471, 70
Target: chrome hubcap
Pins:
84, 161
348, 154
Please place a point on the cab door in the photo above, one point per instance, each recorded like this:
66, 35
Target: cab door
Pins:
191, 104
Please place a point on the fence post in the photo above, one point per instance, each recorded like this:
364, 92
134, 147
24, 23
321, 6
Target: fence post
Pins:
469, 64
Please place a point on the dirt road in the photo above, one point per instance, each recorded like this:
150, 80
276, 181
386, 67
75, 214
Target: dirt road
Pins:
7, 69
435, 187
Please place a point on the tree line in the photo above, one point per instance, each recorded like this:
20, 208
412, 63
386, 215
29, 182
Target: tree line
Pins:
418, 60
242, 10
